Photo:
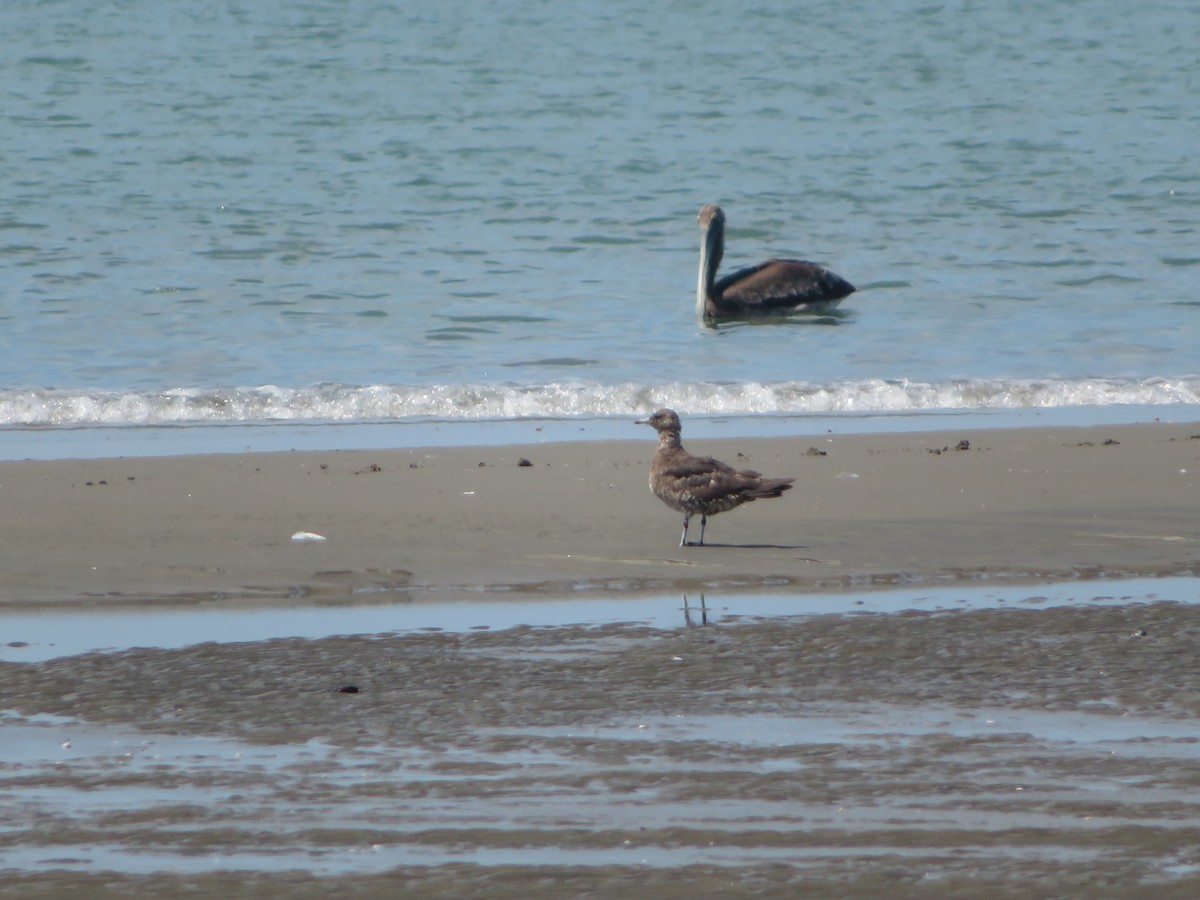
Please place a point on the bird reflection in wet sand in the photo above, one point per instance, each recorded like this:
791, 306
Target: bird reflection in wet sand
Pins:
700, 484
772, 287
687, 612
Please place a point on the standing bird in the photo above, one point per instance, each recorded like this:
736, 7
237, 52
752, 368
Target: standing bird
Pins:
772, 287
695, 484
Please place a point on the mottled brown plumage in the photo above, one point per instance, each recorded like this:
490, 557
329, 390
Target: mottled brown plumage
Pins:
700, 484
769, 288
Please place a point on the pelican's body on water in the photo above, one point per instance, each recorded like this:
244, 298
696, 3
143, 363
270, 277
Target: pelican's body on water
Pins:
772, 287
700, 484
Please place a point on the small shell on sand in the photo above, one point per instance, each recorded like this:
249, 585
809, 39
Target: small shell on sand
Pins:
308, 537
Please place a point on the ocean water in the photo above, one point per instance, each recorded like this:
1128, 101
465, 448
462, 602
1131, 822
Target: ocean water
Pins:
371, 212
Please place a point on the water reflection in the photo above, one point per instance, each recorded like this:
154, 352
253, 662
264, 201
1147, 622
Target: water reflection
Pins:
687, 613
32, 635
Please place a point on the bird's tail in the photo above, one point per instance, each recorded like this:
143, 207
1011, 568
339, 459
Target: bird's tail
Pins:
772, 487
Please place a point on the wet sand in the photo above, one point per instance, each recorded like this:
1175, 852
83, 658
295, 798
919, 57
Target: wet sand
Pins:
890, 508
1019, 751
1004, 752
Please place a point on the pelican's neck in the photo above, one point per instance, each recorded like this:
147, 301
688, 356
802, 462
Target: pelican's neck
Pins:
712, 245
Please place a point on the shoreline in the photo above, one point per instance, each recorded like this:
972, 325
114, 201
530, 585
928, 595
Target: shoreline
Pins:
104, 441
886, 508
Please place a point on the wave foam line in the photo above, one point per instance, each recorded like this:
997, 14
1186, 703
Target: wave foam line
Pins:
373, 403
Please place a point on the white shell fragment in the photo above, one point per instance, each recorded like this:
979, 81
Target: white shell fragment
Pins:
308, 537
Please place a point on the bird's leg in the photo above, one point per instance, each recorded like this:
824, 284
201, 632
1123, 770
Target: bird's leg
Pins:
703, 522
687, 517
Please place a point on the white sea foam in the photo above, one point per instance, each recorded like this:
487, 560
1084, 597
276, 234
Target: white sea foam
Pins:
453, 402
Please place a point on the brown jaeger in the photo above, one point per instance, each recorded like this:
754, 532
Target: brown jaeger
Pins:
700, 484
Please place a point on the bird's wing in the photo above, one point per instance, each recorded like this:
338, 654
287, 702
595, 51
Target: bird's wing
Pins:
698, 467
779, 284
705, 478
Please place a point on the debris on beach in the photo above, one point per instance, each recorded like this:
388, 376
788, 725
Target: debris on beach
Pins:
308, 537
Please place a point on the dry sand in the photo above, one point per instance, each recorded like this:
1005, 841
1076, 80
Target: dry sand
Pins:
867, 509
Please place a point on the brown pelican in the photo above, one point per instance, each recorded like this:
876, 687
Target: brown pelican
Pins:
772, 287
700, 484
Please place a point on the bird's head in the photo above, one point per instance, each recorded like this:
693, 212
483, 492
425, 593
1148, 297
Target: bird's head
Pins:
663, 420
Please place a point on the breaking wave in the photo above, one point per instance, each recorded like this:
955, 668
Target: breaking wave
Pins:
382, 403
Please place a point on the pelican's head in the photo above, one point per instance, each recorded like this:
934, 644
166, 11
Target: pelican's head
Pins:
710, 213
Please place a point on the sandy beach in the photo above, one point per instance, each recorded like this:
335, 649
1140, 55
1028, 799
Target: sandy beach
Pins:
867, 509
1011, 744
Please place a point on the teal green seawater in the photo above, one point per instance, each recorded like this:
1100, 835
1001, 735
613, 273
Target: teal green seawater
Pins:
370, 211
